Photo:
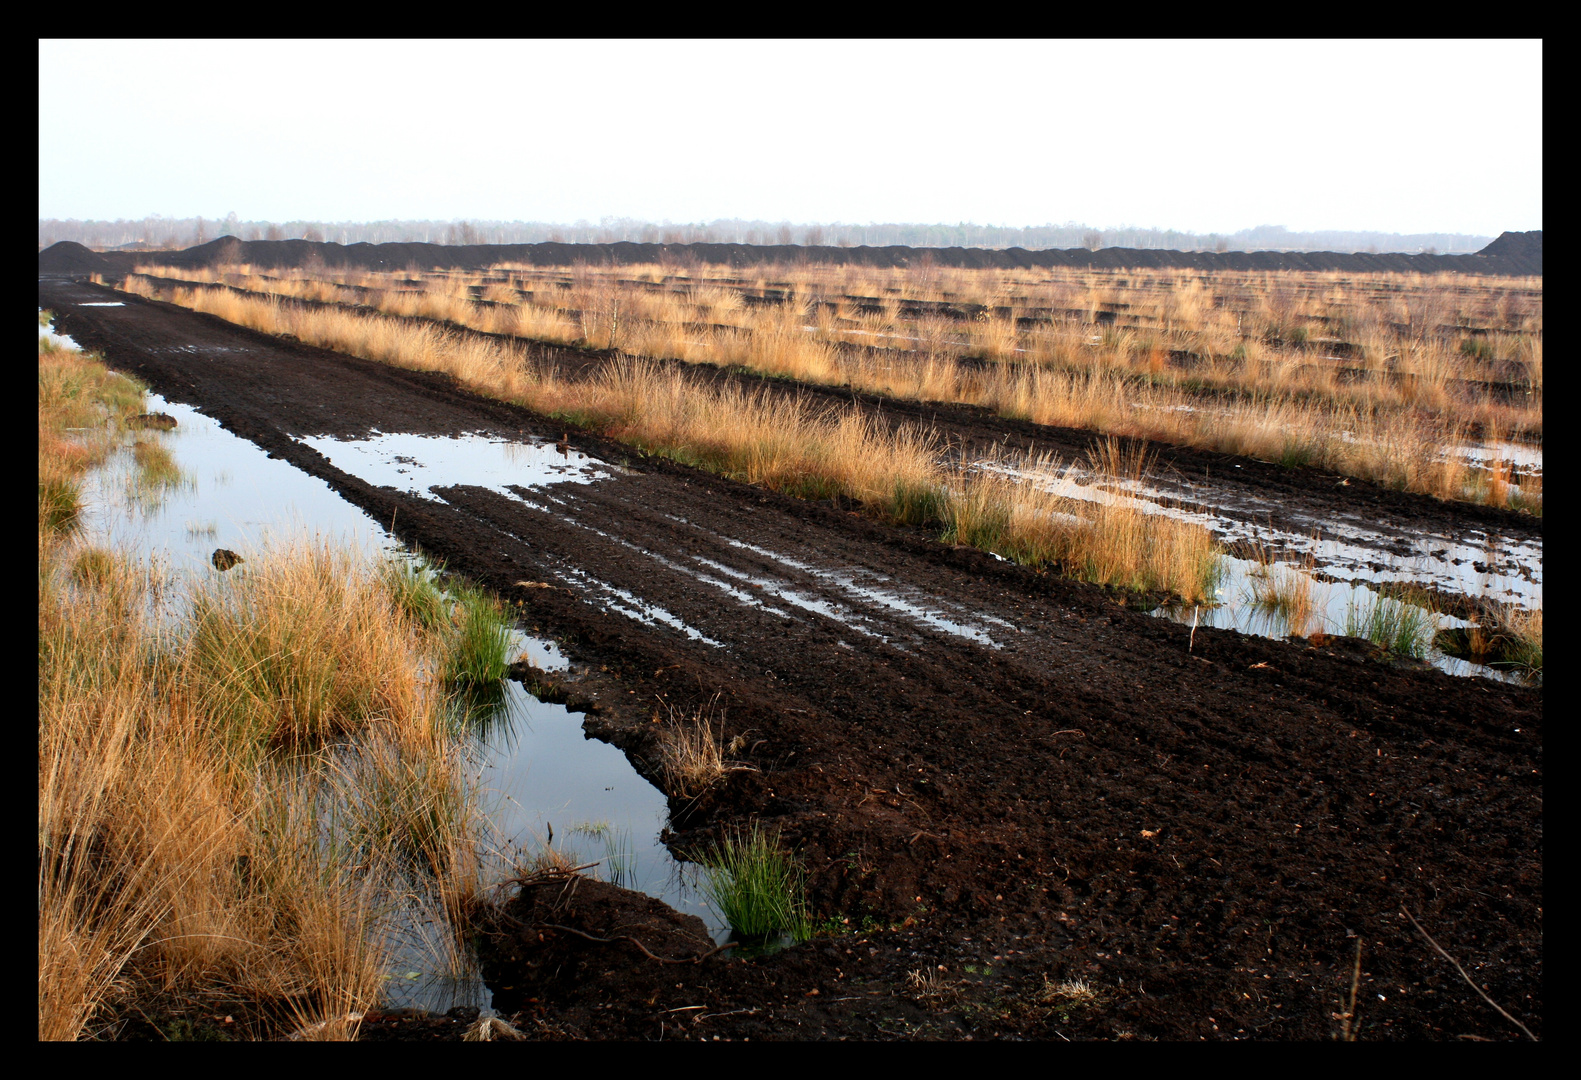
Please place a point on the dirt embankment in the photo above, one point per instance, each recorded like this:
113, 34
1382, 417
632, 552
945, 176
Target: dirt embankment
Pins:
1033, 787
1510, 254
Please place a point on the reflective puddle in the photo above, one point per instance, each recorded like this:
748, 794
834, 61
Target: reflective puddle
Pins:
1348, 564
417, 464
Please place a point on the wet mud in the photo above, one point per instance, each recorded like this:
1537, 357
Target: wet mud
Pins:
1001, 781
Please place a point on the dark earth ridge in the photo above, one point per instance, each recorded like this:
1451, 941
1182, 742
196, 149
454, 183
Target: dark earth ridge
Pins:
1203, 835
1510, 254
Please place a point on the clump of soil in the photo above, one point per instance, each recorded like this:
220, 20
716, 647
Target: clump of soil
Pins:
563, 933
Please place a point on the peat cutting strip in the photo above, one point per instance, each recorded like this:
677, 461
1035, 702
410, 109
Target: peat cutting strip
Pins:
1199, 834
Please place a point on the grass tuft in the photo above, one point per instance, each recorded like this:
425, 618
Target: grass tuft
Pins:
693, 755
480, 643
1404, 629
757, 886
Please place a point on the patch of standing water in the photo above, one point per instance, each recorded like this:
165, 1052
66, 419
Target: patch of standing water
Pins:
549, 784
417, 464
231, 495
1345, 571
1331, 606
913, 607
59, 341
533, 757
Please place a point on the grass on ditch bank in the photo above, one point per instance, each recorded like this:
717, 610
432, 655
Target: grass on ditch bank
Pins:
231, 801
79, 396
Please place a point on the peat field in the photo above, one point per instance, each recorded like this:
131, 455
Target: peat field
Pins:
1025, 809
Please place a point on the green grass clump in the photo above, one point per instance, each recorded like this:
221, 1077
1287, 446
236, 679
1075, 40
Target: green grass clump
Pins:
479, 651
1403, 629
415, 591
757, 886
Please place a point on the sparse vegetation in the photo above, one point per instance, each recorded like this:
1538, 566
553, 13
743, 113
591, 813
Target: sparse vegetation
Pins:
1290, 592
693, 755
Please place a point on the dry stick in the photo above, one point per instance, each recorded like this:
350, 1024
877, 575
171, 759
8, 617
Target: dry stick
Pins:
1463, 975
1350, 1013
1193, 639
698, 959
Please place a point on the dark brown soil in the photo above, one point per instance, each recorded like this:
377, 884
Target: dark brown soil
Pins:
1203, 836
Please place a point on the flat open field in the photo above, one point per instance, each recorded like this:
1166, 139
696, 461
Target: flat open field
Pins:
1042, 812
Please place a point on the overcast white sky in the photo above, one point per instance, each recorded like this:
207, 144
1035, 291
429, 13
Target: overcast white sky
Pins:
1202, 136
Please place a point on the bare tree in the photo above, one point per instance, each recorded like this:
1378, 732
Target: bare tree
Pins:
1092, 240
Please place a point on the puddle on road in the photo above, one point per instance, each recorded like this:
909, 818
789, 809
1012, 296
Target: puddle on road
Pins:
60, 341
417, 464
1348, 562
231, 495
535, 766
631, 605
913, 605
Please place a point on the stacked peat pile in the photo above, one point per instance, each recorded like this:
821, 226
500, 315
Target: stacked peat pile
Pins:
1510, 254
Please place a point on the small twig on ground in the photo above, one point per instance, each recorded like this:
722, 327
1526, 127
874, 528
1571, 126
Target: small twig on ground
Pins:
1463, 975
1193, 639
1346, 1034
698, 959
735, 1012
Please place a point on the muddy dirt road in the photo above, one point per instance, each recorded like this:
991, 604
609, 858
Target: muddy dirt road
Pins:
1032, 781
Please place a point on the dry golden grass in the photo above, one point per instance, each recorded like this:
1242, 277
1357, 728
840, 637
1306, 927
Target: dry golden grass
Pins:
1278, 366
775, 441
178, 855
182, 855
693, 755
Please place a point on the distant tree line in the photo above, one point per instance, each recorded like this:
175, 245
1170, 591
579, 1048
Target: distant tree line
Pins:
166, 233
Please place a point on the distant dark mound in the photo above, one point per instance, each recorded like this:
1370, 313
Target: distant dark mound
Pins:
70, 257
1521, 246
283, 254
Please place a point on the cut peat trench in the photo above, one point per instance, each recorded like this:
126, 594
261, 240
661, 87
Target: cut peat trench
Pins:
1225, 818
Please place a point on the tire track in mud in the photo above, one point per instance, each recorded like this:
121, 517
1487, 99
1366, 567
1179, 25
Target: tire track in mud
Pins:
1127, 809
